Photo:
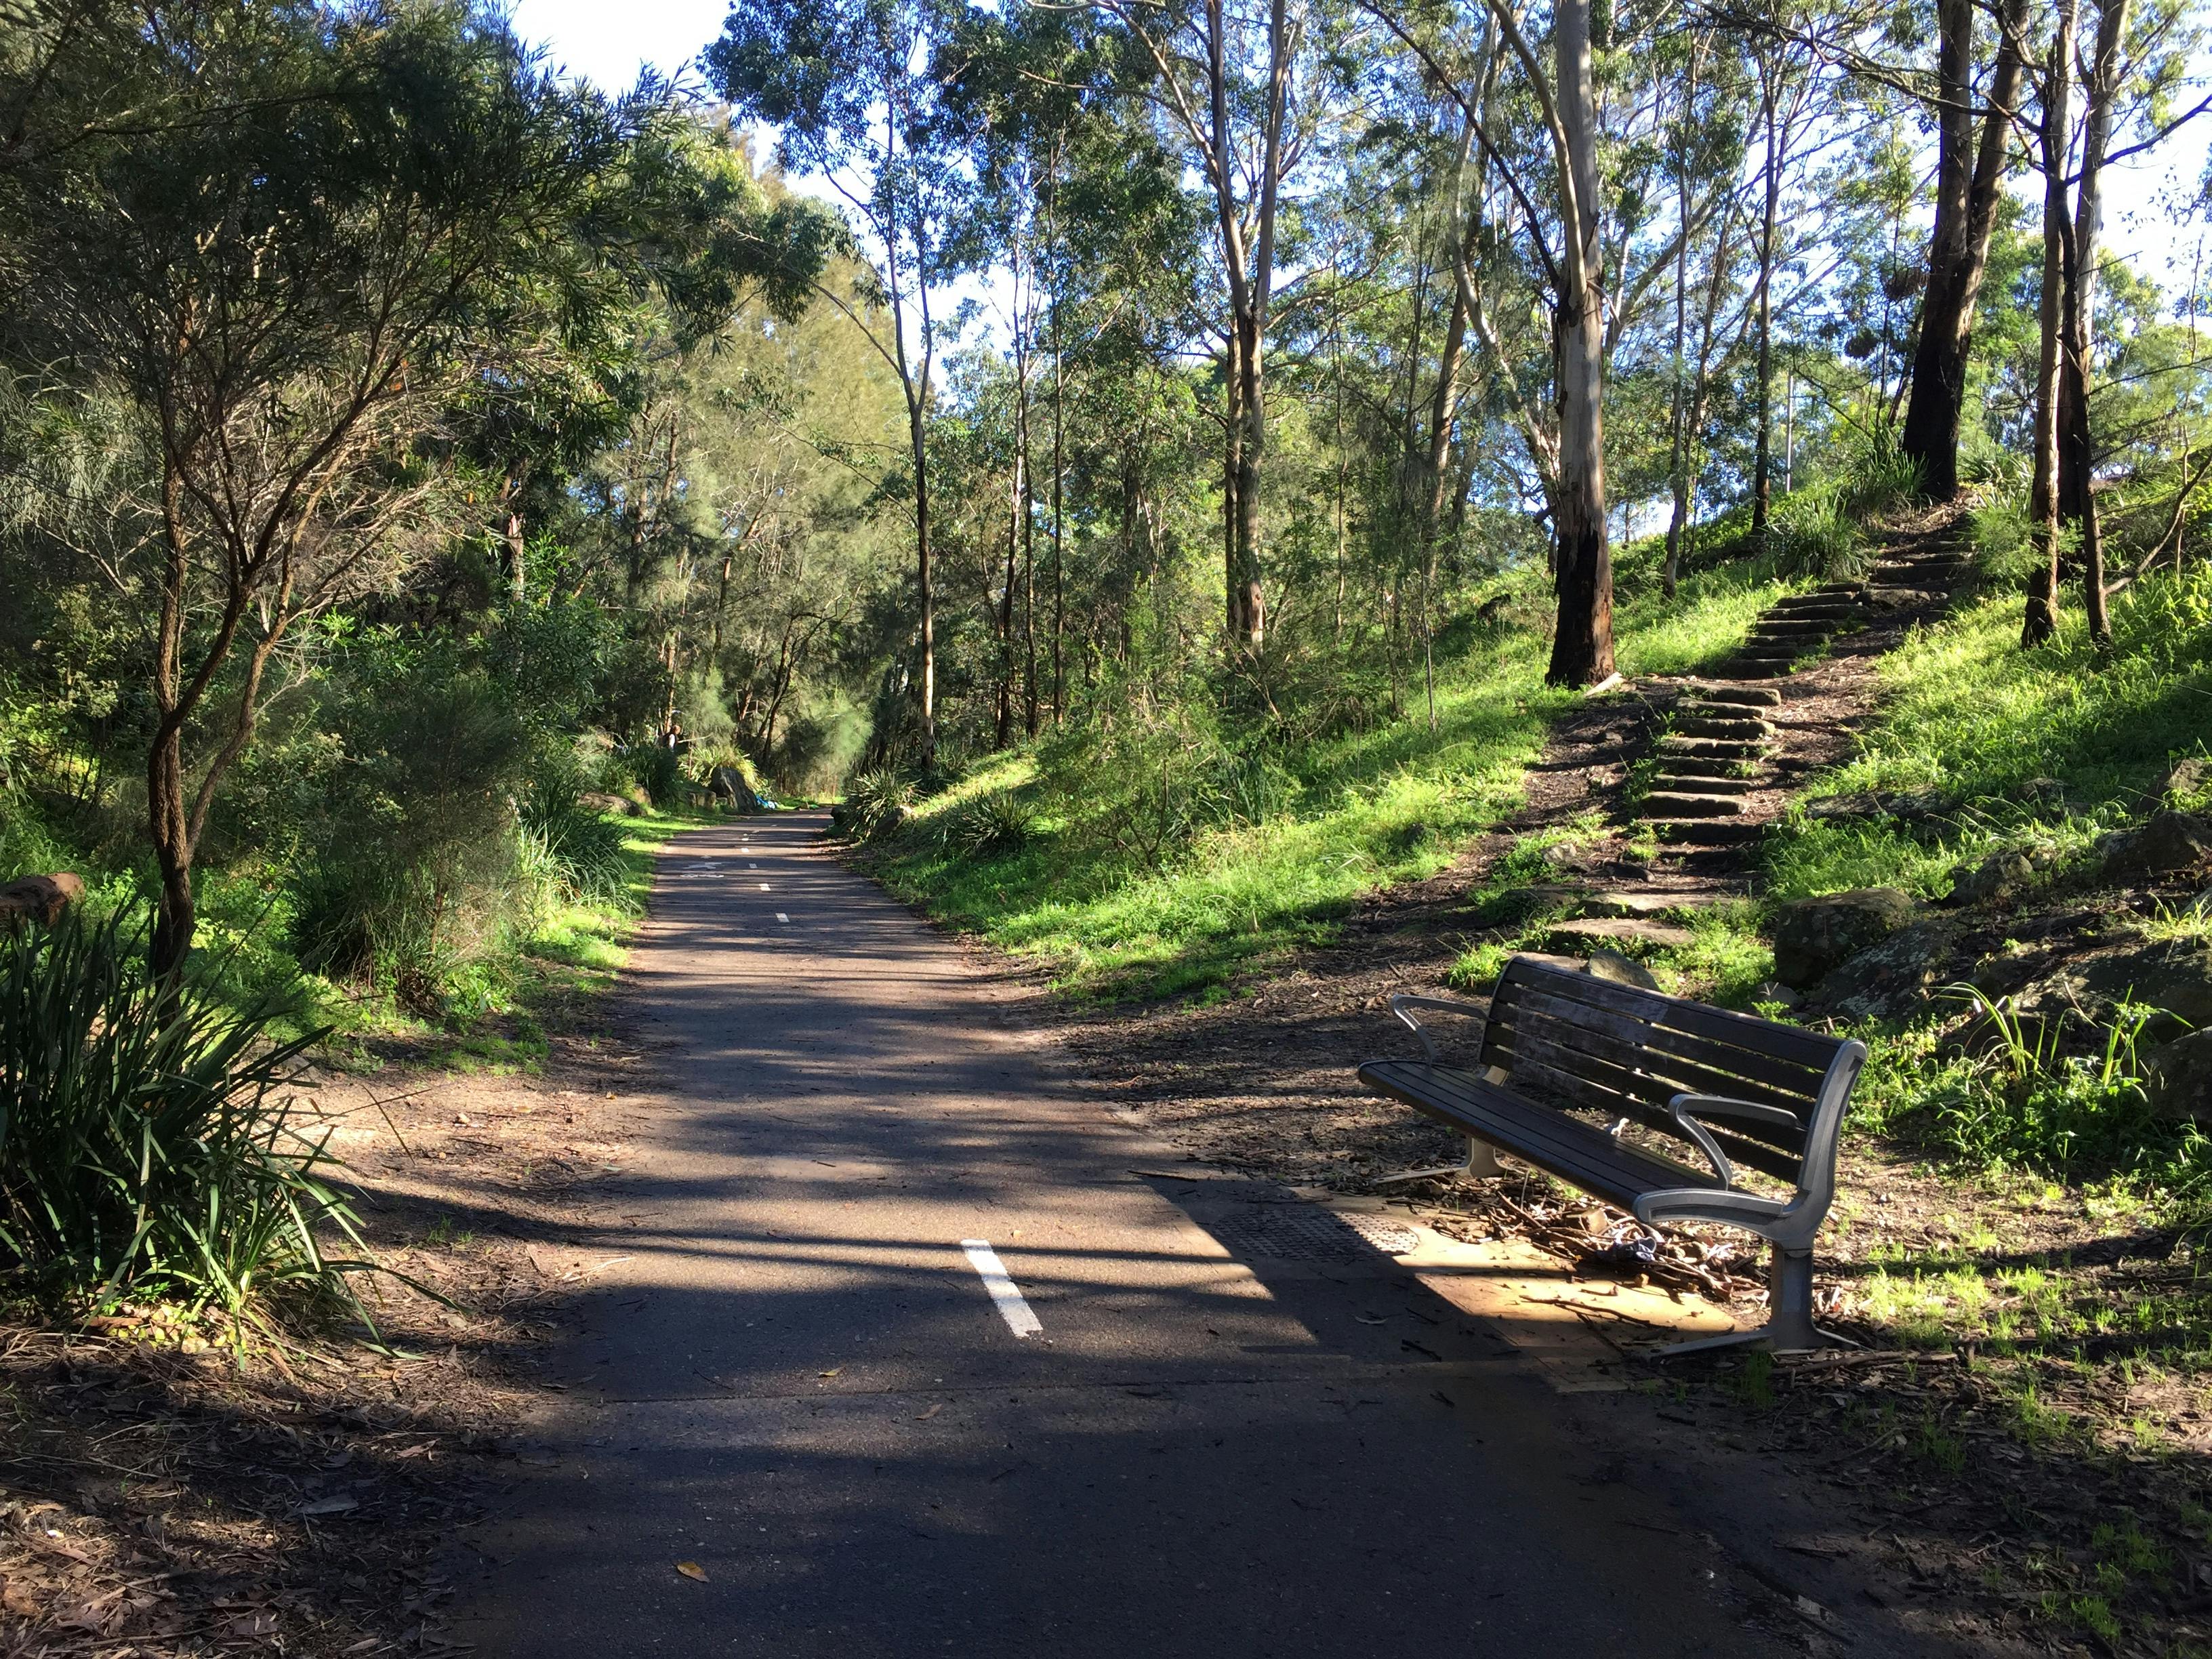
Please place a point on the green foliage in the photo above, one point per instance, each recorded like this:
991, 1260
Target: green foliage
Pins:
407, 876
654, 767
2005, 746
577, 852
146, 1146
2023, 1100
1816, 533
2006, 1093
878, 801
992, 824
1880, 476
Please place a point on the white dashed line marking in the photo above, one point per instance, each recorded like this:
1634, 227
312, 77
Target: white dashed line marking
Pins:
1004, 1293
779, 916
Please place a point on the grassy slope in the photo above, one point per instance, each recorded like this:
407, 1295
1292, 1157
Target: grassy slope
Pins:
1376, 808
2013, 747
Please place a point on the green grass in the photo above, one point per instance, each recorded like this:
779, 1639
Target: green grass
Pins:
2049, 747
1354, 813
546, 949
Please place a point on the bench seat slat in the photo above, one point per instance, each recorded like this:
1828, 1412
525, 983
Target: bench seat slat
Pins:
1567, 1147
1712, 1067
1537, 1061
1738, 1031
1654, 1078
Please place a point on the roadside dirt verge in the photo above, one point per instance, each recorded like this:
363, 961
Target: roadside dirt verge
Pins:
161, 1494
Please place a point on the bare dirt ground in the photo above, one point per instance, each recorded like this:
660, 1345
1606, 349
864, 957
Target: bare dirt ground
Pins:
162, 1494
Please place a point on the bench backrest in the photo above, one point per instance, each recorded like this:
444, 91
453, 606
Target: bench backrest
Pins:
1572, 1040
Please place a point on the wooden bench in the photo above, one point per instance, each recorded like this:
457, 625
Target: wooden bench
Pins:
1567, 1061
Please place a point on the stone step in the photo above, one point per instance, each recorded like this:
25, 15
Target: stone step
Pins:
1712, 749
1646, 906
1702, 766
1698, 727
1756, 695
1692, 783
1707, 832
1700, 709
1748, 670
1630, 935
1823, 604
1813, 616
1766, 640
1656, 805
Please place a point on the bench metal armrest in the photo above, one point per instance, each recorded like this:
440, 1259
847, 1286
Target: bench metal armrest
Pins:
1724, 1106
1745, 1210
1403, 1001
1683, 1106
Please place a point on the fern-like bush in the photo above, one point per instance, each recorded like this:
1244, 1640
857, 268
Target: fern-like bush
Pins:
997, 821
147, 1145
877, 801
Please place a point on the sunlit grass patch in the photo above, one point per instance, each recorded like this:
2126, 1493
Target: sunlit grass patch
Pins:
2007, 746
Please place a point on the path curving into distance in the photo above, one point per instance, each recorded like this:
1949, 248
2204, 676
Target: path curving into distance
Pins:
907, 1359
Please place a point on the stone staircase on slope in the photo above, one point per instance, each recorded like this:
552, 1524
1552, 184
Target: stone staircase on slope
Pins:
1715, 757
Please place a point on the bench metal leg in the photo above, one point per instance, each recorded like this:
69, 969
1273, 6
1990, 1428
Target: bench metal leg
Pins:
1481, 1160
1788, 1327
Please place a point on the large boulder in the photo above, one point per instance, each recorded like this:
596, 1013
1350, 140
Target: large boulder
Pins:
2181, 782
38, 898
2180, 1077
1611, 964
730, 784
2167, 842
2173, 976
1813, 936
1999, 876
1890, 978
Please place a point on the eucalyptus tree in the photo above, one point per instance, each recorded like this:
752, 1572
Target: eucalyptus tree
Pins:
2126, 69
1247, 91
856, 90
1572, 130
321, 239
1975, 129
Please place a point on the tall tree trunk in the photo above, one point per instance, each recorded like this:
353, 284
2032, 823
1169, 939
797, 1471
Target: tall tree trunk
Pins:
1006, 618
1247, 613
1250, 273
1693, 424
1059, 573
1762, 488
927, 680
1582, 648
1678, 471
2101, 86
1968, 190
2042, 618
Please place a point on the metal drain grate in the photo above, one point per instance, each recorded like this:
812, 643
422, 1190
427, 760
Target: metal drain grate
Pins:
1305, 1233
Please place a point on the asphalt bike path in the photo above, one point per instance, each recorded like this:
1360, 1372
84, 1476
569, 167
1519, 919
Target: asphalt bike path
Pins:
904, 1354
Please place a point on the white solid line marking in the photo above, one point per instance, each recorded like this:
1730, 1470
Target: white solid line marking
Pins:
779, 916
1012, 1307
